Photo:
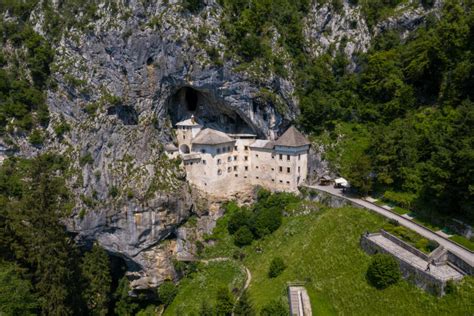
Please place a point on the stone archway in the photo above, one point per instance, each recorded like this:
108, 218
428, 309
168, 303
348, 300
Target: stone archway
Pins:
184, 149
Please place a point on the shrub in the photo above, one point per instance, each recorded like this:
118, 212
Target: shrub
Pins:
86, 159
167, 292
113, 191
36, 138
277, 266
450, 287
243, 236
274, 308
266, 221
383, 271
239, 219
225, 302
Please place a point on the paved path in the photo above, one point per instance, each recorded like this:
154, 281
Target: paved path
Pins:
446, 243
442, 272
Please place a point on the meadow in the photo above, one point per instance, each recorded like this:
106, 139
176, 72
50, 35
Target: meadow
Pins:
320, 249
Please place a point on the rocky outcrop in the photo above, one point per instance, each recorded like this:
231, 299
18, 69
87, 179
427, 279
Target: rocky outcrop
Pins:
124, 79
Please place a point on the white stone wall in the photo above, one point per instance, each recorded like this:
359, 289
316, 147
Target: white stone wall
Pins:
233, 167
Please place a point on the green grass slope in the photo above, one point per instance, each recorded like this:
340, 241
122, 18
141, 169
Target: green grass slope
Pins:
203, 285
322, 250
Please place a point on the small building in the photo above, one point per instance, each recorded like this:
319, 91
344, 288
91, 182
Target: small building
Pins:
325, 180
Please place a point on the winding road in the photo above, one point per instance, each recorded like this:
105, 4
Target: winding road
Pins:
425, 232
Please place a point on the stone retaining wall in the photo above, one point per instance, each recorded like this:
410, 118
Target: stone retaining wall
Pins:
326, 198
405, 245
412, 274
460, 263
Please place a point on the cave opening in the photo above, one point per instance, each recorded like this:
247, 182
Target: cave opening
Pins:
208, 110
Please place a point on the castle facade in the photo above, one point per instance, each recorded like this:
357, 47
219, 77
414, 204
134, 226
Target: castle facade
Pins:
225, 164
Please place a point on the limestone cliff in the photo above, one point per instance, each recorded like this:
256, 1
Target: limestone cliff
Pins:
126, 77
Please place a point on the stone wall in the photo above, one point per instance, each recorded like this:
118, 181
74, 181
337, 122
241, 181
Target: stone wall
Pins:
460, 263
412, 274
326, 198
404, 245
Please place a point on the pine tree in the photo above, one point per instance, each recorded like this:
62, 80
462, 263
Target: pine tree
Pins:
97, 280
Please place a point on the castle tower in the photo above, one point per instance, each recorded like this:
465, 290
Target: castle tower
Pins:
186, 131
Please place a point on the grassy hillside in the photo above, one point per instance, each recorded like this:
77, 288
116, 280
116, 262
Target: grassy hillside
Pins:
322, 250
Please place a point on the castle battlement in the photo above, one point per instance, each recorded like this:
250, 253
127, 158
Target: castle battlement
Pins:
225, 164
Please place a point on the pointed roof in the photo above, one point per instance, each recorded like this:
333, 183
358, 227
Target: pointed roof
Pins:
292, 138
210, 136
189, 122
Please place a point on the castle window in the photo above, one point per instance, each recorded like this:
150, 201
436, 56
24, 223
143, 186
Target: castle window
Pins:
191, 163
273, 156
218, 150
288, 169
228, 148
273, 169
246, 168
229, 169
246, 147
246, 158
236, 175
219, 172
281, 169
235, 168
287, 157
287, 182
235, 147
281, 181
299, 169
256, 167
184, 136
218, 161
256, 156
203, 162
299, 156
281, 156
203, 151
245, 177
256, 177
235, 158
229, 159
273, 180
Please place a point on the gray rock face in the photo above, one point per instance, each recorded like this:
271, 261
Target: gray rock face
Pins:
124, 80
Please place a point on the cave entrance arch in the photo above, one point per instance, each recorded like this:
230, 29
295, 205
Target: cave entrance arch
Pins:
208, 109
184, 149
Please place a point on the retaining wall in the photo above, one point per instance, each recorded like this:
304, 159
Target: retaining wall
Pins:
412, 274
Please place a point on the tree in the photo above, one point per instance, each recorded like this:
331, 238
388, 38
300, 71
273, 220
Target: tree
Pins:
383, 271
244, 306
16, 297
95, 270
238, 219
243, 236
274, 308
225, 302
124, 306
277, 266
167, 292
359, 174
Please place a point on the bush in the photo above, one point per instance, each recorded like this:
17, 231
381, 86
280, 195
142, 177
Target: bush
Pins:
225, 302
243, 236
450, 287
36, 138
277, 266
383, 271
266, 221
239, 219
274, 308
167, 292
